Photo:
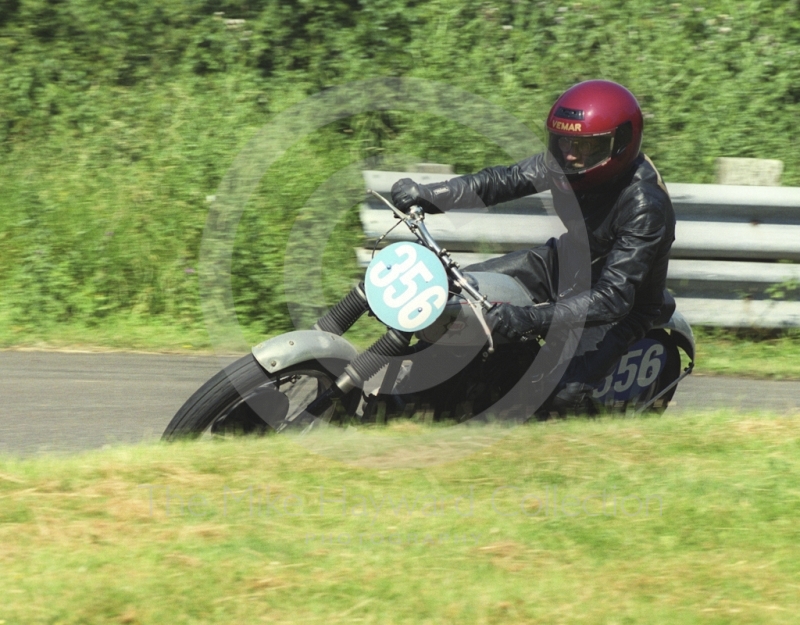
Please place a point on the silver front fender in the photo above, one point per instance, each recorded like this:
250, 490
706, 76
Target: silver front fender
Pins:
292, 348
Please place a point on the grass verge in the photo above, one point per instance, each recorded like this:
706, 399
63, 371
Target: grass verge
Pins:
755, 354
120, 333
659, 520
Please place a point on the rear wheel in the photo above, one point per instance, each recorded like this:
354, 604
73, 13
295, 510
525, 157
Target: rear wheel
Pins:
670, 373
649, 368
243, 398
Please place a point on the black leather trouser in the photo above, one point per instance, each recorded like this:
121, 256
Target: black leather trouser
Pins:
598, 348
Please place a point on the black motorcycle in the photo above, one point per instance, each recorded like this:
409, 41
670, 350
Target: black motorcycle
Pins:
438, 359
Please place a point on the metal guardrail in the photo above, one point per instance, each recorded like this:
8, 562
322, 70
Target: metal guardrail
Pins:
733, 263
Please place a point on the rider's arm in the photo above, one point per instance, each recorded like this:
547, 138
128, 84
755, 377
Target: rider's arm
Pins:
489, 186
641, 236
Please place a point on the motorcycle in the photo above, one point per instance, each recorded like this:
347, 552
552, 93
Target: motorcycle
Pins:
457, 370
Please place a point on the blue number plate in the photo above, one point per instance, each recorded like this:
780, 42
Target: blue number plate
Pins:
636, 371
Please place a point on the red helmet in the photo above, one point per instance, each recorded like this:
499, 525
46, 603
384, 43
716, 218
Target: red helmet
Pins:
594, 134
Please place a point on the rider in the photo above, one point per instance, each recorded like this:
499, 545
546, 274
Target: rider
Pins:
606, 192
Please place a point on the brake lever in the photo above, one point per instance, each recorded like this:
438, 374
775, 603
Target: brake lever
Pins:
521, 339
479, 313
397, 212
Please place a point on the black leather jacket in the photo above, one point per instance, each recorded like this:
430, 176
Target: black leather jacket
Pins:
630, 225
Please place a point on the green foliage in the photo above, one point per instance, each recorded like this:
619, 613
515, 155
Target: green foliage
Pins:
118, 119
788, 289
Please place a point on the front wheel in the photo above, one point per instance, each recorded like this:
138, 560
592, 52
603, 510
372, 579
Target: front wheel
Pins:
243, 398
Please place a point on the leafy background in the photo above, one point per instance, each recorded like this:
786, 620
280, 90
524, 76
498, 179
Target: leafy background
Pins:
118, 120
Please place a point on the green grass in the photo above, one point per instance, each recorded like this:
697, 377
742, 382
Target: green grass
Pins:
656, 520
752, 353
774, 355
119, 332
134, 333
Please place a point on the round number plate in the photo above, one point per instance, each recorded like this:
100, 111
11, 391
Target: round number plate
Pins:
406, 286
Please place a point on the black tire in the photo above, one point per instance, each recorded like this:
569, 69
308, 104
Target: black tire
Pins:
244, 398
670, 372
666, 376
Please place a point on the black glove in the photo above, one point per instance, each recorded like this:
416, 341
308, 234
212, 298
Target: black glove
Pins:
407, 193
515, 322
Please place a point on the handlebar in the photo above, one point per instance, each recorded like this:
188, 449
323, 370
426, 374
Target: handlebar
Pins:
415, 220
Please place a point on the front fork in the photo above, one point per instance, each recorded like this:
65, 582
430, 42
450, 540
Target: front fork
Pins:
337, 321
343, 315
362, 368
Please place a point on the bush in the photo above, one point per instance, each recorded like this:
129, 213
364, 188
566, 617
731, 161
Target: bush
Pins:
118, 119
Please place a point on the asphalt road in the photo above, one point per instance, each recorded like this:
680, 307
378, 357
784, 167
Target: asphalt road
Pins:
60, 402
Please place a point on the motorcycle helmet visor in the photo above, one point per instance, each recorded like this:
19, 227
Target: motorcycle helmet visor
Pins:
574, 154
